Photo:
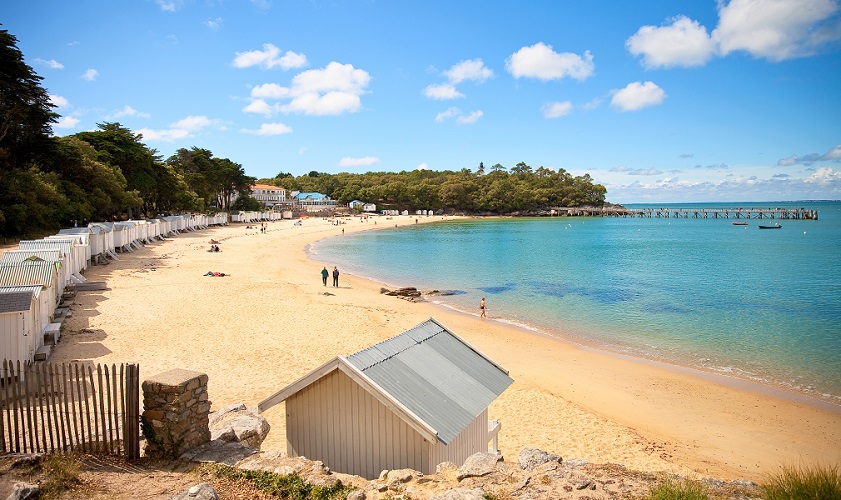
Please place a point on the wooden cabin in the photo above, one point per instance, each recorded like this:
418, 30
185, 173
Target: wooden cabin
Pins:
20, 335
412, 401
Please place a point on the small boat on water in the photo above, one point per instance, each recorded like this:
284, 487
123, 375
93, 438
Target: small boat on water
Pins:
775, 226
740, 223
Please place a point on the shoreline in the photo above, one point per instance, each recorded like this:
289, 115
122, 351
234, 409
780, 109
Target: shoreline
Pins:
272, 321
758, 385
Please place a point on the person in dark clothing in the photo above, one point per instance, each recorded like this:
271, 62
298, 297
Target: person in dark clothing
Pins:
324, 274
335, 276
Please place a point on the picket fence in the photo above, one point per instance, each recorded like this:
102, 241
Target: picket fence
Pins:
73, 407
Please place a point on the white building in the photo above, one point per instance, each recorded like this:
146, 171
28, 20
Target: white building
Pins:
269, 196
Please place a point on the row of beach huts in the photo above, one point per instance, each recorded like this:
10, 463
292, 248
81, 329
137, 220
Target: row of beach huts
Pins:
40, 277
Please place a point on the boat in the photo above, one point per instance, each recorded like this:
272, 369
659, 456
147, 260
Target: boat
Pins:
740, 223
775, 226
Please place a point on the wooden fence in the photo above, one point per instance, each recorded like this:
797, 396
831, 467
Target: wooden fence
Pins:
70, 407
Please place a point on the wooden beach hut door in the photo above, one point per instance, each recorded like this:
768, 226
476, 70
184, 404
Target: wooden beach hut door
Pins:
13, 343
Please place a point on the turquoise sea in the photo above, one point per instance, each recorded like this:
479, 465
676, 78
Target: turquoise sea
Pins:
763, 305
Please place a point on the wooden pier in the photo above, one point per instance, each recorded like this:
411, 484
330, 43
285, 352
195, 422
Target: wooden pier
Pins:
692, 213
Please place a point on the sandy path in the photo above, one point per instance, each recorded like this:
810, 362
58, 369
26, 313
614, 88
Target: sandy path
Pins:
270, 322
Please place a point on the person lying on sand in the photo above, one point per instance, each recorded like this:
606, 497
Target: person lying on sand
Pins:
217, 274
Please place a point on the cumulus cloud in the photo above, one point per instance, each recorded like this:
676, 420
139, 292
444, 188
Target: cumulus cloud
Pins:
332, 90
268, 58
776, 29
556, 109
181, 129
542, 62
459, 116
261, 107
347, 161
644, 171
637, 95
52, 63
833, 154
66, 122
214, 24
473, 70
269, 129
470, 70
90, 75
58, 101
684, 42
422, 166
127, 111
442, 92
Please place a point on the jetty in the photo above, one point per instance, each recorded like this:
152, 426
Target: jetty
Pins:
690, 213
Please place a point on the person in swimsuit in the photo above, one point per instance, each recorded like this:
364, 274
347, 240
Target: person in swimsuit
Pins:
482, 307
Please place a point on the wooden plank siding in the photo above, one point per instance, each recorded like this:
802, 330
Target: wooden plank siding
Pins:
471, 440
338, 421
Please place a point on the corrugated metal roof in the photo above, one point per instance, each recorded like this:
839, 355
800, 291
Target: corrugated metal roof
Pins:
27, 273
436, 375
15, 301
66, 246
34, 289
34, 255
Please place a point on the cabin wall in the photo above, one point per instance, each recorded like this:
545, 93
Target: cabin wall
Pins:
14, 345
473, 439
336, 421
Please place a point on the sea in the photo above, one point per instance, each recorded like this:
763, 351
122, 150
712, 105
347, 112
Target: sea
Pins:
752, 304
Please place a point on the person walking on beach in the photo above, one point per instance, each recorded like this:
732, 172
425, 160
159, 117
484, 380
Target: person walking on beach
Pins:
482, 307
335, 276
324, 274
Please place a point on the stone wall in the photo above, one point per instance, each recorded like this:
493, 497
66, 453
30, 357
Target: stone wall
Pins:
175, 415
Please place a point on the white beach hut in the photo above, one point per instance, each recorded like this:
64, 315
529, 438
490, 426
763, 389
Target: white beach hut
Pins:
19, 324
413, 401
82, 243
96, 241
68, 248
35, 267
106, 229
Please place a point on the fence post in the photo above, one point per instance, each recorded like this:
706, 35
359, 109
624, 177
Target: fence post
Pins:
131, 422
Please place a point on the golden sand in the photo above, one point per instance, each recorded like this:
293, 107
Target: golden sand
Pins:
270, 322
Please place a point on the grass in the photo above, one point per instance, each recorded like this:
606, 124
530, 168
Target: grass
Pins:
678, 490
60, 474
282, 486
805, 482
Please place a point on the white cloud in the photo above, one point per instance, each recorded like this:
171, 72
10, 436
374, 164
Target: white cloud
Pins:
833, 154
683, 43
261, 107
52, 63
442, 92
449, 113
824, 176
776, 29
422, 166
90, 75
637, 95
358, 162
333, 90
556, 109
268, 58
469, 119
181, 129
270, 91
269, 129
58, 101
66, 122
541, 62
170, 5
474, 70
127, 111
214, 24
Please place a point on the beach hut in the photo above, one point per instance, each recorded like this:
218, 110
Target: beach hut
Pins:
95, 238
19, 325
15, 271
413, 401
59, 262
68, 247
82, 242
106, 230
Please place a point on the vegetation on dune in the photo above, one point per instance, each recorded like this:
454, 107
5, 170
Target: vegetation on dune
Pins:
48, 182
806, 482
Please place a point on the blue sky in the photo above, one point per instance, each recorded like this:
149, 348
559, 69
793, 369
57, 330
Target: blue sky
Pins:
660, 101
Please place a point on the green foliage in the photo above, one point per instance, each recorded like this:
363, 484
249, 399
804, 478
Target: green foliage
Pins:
248, 203
283, 486
678, 490
61, 473
808, 483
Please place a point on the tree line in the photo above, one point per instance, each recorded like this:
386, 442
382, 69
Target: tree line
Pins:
48, 182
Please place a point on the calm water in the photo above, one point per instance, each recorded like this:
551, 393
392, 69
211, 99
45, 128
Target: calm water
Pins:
758, 304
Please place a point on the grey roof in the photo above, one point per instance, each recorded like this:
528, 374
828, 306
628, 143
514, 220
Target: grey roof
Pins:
436, 375
15, 301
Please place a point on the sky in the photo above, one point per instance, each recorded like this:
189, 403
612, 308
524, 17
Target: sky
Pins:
659, 101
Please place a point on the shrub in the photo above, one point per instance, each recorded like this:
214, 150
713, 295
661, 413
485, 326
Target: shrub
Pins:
678, 490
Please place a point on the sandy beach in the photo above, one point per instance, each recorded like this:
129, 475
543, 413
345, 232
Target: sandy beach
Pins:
270, 320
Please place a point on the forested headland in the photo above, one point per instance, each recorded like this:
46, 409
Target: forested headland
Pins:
49, 182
